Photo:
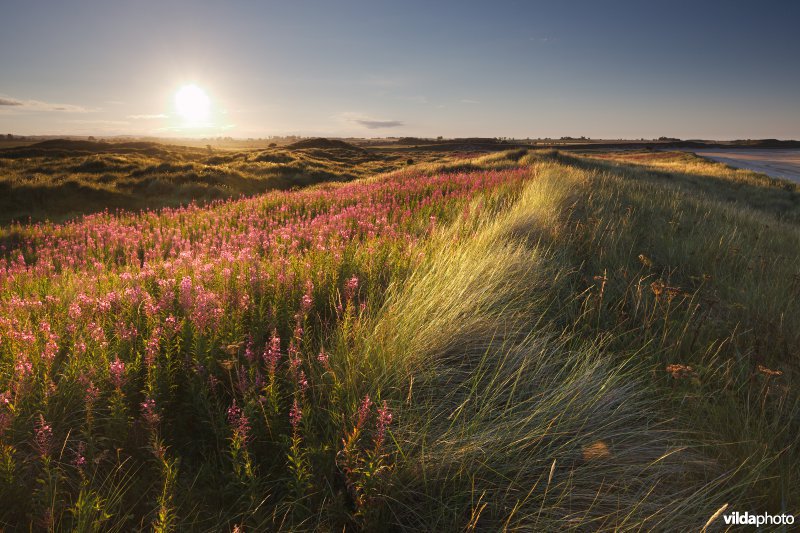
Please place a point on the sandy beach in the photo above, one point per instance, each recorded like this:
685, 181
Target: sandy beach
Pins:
775, 163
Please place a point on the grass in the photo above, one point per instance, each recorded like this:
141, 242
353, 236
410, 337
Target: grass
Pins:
520, 341
65, 179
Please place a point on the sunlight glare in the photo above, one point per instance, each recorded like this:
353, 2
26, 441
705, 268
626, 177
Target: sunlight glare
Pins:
193, 104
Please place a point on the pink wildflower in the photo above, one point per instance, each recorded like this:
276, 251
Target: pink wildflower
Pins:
172, 323
149, 413
6, 414
306, 302
79, 348
23, 367
239, 422
185, 296
298, 331
384, 419
97, 334
117, 371
323, 359
153, 346
350, 288
363, 411
272, 353
295, 415
80, 456
302, 381
125, 332
75, 312
43, 439
51, 346
249, 354
91, 393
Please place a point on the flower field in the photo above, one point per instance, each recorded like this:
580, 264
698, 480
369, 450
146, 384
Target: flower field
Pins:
200, 352
530, 341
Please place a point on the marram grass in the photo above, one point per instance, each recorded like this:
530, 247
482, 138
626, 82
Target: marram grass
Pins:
524, 341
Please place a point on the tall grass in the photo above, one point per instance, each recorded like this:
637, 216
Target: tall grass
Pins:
706, 278
67, 181
512, 420
523, 341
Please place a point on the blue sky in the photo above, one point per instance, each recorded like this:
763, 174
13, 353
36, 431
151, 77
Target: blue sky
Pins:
504, 68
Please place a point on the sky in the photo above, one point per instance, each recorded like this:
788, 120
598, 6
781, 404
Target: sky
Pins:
601, 69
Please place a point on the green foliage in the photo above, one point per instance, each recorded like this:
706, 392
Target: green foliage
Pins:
62, 183
593, 343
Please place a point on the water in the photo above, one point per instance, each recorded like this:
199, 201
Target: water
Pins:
776, 163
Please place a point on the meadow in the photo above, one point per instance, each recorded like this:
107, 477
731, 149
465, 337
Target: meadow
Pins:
526, 340
59, 179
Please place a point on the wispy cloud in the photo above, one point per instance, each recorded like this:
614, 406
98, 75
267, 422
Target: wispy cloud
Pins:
380, 124
370, 122
148, 117
37, 105
9, 102
469, 101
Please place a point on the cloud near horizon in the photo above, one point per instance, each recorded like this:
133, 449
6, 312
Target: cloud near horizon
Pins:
367, 121
36, 105
379, 124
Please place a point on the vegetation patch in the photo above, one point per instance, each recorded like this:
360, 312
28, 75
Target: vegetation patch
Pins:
521, 340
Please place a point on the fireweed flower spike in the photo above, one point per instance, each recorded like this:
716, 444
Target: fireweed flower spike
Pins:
117, 372
363, 411
384, 420
295, 415
350, 288
239, 422
149, 413
80, 456
323, 359
306, 302
43, 437
132, 307
272, 353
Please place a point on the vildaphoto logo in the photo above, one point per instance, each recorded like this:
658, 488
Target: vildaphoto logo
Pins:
735, 518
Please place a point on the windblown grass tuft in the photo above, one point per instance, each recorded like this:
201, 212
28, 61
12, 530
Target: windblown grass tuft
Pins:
522, 341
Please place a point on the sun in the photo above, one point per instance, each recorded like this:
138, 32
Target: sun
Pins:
192, 103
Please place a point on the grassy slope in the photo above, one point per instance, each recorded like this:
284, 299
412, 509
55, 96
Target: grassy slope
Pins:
525, 358
541, 344
61, 182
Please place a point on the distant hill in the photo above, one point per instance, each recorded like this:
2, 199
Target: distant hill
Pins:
59, 179
321, 142
70, 148
767, 143
415, 141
